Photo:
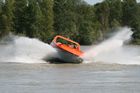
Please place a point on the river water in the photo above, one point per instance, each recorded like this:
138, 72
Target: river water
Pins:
69, 78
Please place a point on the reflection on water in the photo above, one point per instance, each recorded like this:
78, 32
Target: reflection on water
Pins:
69, 78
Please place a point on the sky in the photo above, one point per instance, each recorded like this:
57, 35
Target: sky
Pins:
96, 1
93, 1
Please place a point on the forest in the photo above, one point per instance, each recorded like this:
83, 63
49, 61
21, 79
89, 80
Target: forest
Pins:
75, 19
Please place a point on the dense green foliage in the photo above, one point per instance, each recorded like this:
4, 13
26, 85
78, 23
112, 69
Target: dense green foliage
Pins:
74, 19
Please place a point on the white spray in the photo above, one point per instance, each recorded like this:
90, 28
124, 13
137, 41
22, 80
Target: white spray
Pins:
114, 50
24, 50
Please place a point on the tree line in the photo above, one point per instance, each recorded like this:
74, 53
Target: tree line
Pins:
74, 19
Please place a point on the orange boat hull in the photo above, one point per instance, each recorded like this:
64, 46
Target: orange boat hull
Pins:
70, 50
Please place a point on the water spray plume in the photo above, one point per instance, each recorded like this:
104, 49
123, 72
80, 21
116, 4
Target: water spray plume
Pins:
24, 50
114, 50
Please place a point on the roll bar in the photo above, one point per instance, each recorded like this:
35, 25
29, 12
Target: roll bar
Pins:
58, 36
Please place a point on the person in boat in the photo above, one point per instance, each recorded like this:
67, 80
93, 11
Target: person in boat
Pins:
72, 46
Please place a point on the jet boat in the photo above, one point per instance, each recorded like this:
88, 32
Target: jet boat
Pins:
68, 50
